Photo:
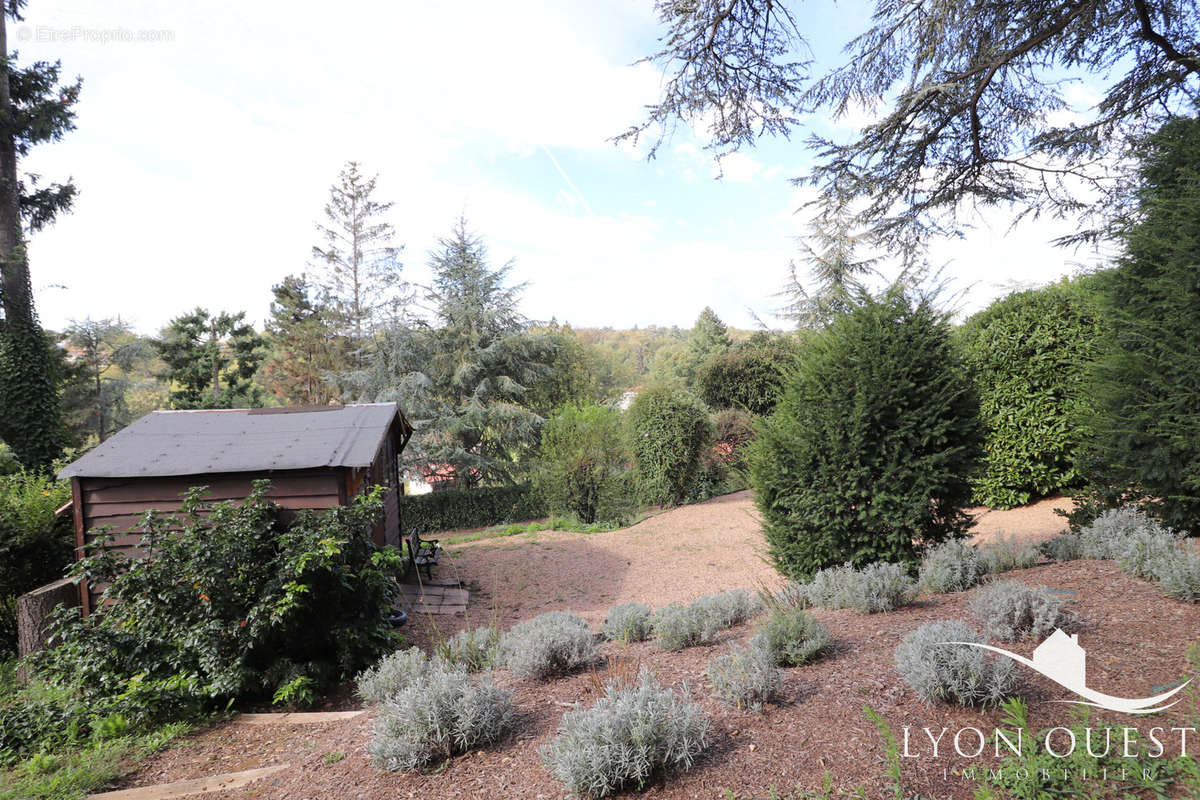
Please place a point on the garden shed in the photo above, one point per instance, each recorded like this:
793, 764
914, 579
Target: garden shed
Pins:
315, 457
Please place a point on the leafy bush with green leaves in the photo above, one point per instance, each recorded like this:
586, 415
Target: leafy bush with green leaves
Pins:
1005, 553
631, 733
669, 431
791, 637
580, 463
1147, 400
867, 455
549, 644
628, 622
750, 375
874, 589
454, 509
35, 547
952, 566
1010, 611
954, 673
394, 672
230, 605
745, 677
1028, 354
447, 712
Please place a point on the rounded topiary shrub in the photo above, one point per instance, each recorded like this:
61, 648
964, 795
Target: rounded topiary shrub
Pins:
1028, 355
669, 430
750, 375
868, 454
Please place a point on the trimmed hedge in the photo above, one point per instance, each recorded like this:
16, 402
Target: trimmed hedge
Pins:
454, 509
1028, 355
669, 432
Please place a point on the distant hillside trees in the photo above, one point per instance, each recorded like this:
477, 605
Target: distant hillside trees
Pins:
211, 360
34, 108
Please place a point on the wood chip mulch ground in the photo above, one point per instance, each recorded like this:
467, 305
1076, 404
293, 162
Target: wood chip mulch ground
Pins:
1136, 641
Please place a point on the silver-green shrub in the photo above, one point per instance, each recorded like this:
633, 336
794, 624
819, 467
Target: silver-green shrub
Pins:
549, 644
1006, 553
875, 588
793, 595
1108, 535
745, 677
1179, 576
1066, 546
952, 566
396, 672
630, 733
1145, 553
791, 636
474, 649
679, 625
447, 712
628, 622
953, 673
1011, 611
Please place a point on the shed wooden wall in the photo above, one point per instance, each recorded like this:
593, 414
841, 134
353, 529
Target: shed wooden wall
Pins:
120, 502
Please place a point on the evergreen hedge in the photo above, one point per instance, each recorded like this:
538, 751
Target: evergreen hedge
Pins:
669, 431
868, 455
1028, 354
453, 509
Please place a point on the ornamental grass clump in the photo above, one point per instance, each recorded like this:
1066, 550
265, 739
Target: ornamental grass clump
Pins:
631, 733
745, 677
791, 636
1010, 611
395, 672
955, 673
628, 622
952, 566
551, 644
447, 712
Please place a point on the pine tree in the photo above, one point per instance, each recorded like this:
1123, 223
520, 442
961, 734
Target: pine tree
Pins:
304, 350
211, 360
34, 109
358, 266
106, 350
463, 380
835, 271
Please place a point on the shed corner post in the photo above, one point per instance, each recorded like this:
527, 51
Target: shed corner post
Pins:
85, 600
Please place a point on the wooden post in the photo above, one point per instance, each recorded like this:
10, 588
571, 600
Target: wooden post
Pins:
34, 608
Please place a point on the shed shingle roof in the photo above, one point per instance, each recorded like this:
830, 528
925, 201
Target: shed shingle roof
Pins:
240, 440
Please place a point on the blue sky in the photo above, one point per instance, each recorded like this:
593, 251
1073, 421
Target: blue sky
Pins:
204, 154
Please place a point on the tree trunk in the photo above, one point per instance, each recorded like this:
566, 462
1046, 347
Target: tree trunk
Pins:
34, 608
216, 365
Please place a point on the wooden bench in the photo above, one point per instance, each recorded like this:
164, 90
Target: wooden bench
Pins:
423, 553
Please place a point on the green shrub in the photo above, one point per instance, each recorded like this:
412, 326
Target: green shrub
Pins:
549, 644
1011, 611
35, 548
669, 431
631, 733
791, 637
628, 622
454, 509
1146, 423
867, 455
580, 462
1028, 355
749, 376
745, 677
874, 589
953, 566
229, 606
1006, 553
447, 712
954, 673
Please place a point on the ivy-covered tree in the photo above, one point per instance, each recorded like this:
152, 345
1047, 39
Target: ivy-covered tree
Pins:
305, 350
34, 108
105, 351
1146, 428
463, 377
356, 265
211, 360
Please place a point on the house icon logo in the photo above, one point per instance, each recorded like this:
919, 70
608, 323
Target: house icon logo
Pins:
1061, 659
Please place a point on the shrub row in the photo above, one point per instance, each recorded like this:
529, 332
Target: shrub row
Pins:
872, 589
453, 509
956, 566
